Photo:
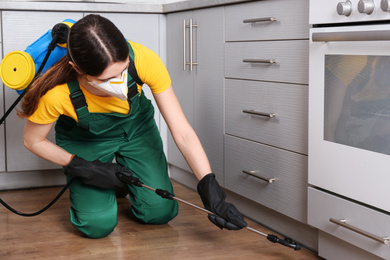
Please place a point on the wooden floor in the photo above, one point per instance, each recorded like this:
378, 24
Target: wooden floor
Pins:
189, 236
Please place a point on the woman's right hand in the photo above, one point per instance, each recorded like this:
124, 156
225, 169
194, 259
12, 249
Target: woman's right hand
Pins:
95, 173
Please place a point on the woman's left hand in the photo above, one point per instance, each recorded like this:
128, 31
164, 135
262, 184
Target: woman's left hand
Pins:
213, 198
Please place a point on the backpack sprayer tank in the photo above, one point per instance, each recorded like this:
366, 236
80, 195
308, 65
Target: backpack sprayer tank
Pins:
18, 68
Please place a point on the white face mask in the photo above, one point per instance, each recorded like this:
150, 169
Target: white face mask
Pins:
114, 87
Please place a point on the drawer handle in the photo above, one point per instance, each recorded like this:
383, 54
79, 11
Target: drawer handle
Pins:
259, 20
273, 61
258, 113
343, 223
253, 173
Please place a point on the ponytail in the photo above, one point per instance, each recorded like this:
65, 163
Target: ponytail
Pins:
60, 73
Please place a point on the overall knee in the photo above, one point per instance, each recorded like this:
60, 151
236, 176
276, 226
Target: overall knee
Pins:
95, 225
101, 229
158, 214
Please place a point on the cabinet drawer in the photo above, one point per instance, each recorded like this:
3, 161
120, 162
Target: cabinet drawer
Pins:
287, 129
286, 194
281, 61
292, 20
323, 206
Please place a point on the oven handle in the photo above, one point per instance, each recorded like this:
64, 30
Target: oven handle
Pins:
351, 36
343, 223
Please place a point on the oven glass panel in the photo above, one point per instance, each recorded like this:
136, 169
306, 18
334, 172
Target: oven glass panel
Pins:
357, 101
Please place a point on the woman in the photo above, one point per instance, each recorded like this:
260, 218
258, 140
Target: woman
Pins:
100, 120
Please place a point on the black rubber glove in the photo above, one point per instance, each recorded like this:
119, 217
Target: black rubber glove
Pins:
95, 173
213, 198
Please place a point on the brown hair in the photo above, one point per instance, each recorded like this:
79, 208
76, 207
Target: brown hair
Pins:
94, 42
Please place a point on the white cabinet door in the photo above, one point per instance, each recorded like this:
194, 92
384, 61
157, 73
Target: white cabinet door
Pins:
200, 91
182, 80
208, 85
20, 29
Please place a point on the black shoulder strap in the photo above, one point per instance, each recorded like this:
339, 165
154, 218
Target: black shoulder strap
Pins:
132, 70
133, 89
79, 103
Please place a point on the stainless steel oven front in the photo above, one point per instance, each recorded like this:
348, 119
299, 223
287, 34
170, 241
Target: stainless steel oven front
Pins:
349, 100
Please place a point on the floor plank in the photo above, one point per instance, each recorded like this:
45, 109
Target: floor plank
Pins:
189, 236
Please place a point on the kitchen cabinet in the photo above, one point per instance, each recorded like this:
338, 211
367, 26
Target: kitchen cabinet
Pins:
18, 32
20, 29
260, 74
200, 90
19, 167
266, 104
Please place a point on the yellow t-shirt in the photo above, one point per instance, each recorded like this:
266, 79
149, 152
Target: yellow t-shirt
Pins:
56, 101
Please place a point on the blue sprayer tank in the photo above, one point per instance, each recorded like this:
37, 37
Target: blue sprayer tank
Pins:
18, 68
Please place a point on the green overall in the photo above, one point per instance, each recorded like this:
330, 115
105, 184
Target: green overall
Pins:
133, 140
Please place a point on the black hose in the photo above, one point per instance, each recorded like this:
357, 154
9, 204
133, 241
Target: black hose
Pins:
59, 35
39, 211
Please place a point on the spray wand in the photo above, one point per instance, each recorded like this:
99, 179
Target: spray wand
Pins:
129, 179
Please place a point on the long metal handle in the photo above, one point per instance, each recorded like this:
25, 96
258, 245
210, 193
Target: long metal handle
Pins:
191, 45
184, 45
272, 61
351, 36
343, 223
127, 177
263, 19
258, 113
192, 63
254, 174
205, 210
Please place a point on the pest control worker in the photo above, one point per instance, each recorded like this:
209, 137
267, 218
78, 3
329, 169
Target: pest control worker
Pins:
105, 124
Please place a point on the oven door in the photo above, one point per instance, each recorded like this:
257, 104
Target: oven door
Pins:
349, 112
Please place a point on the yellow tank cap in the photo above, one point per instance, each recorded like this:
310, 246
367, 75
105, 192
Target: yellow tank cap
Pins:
17, 70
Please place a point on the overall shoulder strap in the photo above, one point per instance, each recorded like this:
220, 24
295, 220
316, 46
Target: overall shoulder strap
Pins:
79, 103
133, 75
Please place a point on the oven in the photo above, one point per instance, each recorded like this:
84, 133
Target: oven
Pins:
349, 108
349, 121
349, 105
